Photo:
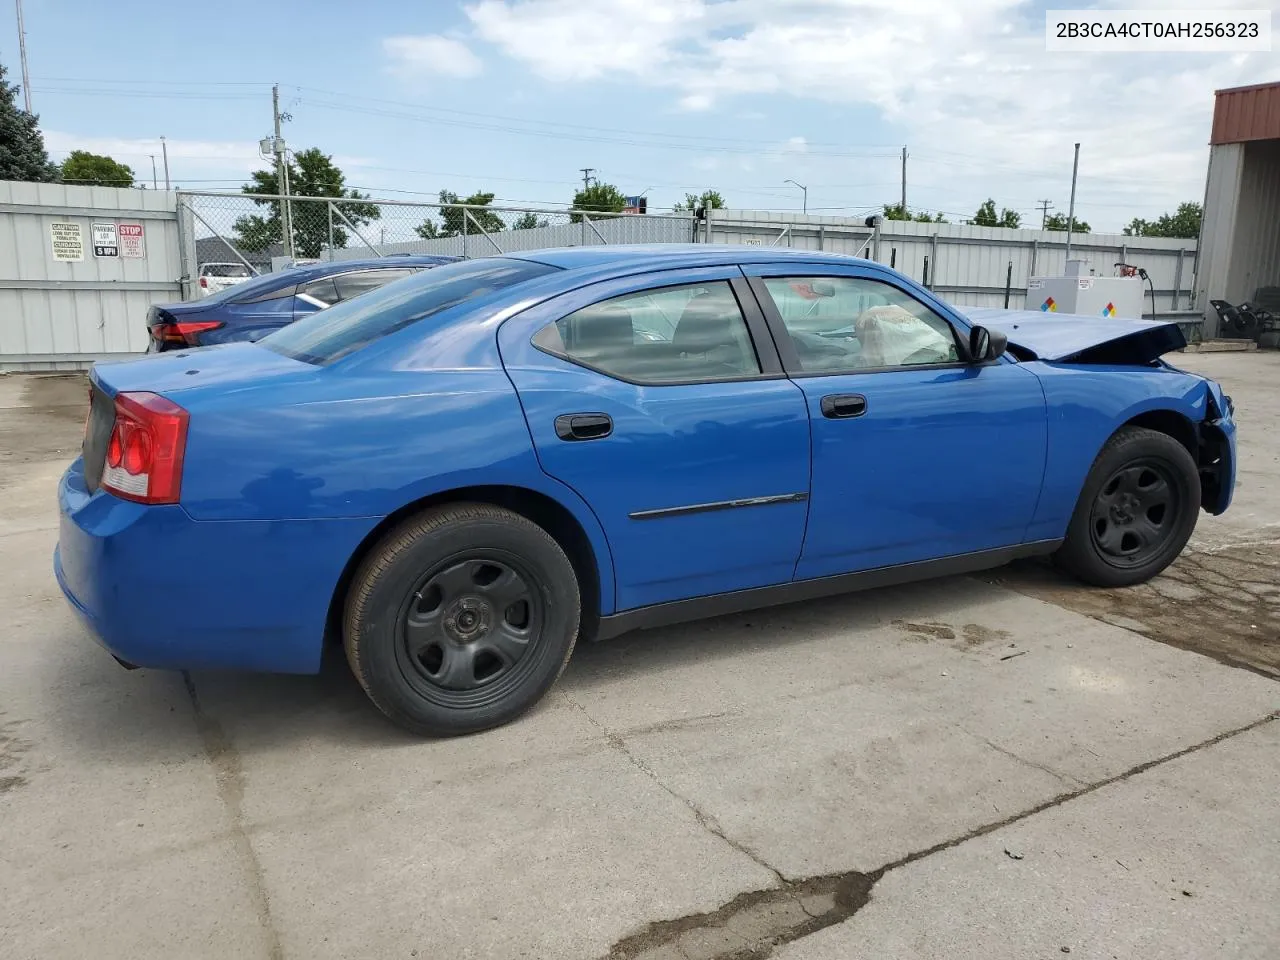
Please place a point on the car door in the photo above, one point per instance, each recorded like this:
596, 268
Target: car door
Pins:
661, 401
918, 454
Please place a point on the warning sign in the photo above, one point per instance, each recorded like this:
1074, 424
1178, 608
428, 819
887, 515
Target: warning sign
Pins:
105, 243
67, 240
133, 241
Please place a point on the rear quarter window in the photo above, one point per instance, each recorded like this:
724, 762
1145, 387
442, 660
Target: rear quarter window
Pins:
329, 335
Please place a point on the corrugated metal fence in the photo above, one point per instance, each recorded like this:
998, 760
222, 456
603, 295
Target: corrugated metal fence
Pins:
971, 265
66, 300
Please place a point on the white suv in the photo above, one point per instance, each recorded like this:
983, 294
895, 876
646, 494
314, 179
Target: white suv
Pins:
219, 276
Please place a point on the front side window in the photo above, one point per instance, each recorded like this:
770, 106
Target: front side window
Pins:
690, 333
845, 324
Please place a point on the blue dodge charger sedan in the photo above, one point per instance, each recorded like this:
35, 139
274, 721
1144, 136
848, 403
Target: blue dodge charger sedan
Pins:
459, 475
257, 307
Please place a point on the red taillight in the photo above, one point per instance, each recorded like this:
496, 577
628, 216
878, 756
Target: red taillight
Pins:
185, 332
204, 283
144, 454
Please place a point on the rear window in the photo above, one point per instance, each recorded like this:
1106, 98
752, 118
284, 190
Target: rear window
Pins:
329, 335
230, 270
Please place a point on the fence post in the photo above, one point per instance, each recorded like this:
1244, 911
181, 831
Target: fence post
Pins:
925, 281
1008, 284
329, 204
875, 241
933, 257
186, 246
1177, 281
466, 247
1035, 254
821, 235
893, 258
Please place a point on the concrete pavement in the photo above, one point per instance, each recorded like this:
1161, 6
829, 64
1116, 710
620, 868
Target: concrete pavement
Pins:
838, 779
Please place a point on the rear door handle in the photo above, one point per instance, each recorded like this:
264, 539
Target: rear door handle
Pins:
842, 406
583, 426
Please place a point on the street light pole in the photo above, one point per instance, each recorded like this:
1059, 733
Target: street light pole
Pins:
154, 185
164, 148
805, 195
22, 54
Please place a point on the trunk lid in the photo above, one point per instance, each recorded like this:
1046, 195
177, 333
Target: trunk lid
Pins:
179, 376
1067, 338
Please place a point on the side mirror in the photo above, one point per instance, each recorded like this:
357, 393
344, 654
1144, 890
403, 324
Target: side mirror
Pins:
986, 345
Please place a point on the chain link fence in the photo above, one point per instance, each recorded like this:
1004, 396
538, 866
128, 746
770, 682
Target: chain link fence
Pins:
264, 233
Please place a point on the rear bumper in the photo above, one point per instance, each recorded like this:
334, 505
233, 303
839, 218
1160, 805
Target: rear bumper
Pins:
158, 589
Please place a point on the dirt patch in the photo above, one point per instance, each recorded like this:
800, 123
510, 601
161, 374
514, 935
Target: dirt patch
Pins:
41, 418
966, 636
1224, 604
751, 925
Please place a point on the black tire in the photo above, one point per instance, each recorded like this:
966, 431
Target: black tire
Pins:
1136, 512
431, 630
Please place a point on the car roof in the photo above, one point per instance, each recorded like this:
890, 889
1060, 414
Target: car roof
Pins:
668, 255
311, 271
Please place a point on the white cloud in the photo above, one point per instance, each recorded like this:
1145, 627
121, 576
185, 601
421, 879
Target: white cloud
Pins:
795, 145
577, 40
431, 53
239, 156
968, 85
696, 102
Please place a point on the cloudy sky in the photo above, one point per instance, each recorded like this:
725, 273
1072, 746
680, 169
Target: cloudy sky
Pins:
658, 96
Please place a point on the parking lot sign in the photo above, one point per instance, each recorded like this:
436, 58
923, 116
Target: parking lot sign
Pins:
105, 243
67, 240
133, 241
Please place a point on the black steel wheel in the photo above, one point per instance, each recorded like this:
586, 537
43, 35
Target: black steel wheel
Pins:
461, 619
1136, 512
467, 627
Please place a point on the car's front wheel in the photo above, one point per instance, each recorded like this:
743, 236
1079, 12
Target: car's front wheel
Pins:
461, 619
1136, 512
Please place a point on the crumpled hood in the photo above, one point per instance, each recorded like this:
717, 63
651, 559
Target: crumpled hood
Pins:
1068, 338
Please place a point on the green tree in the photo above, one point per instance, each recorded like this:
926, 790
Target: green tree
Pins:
530, 221
22, 153
1183, 223
708, 200
85, 167
454, 218
312, 173
986, 216
1058, 221
599, 197
895, 211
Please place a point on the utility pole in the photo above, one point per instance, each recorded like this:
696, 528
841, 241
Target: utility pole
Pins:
1044, 206
1071, 210
904, 183
22, 53
587, 177
154, 185
164, 148
282, 175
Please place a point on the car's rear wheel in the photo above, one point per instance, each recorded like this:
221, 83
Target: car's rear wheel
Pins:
1136, 512
461, 619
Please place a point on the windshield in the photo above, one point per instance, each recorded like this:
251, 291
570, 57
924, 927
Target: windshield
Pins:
329, 335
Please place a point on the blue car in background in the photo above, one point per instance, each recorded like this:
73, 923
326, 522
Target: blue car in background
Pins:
461, 474
256, 307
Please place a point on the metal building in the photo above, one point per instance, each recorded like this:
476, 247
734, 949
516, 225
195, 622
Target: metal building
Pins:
1240, 233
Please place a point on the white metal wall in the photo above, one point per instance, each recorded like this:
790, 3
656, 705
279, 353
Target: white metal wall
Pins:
1254, 259
64, 315
968, 265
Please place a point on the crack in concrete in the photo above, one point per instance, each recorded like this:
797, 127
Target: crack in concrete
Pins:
229, 776
753, 924
1057, 775
704, 820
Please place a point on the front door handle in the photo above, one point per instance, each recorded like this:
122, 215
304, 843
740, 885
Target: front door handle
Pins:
583, 426
842, 406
